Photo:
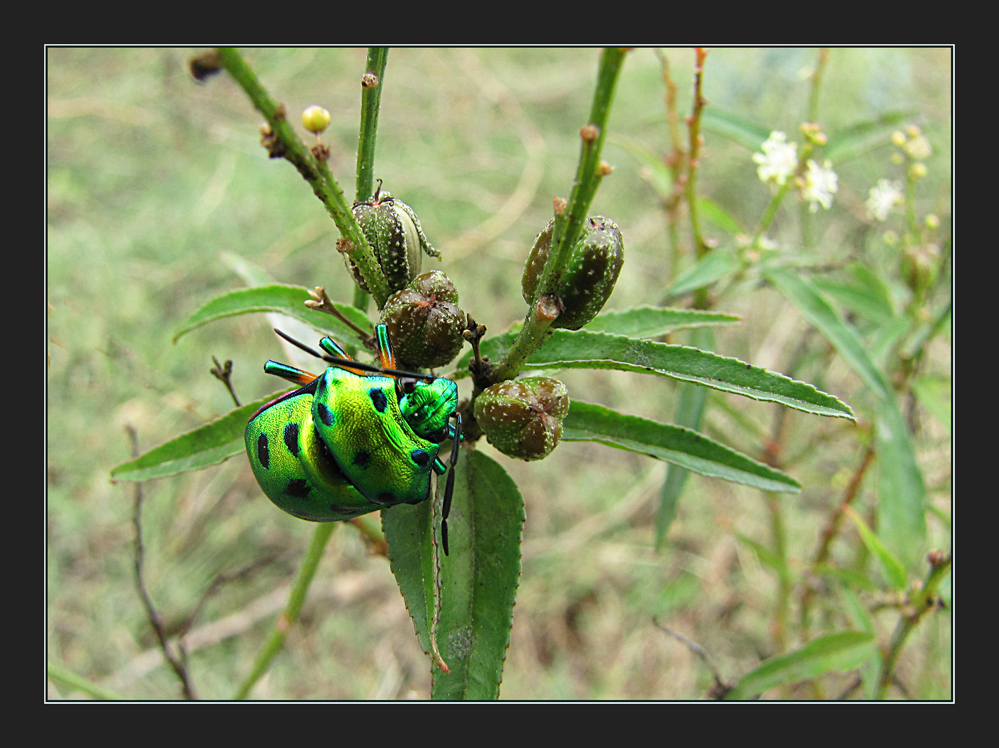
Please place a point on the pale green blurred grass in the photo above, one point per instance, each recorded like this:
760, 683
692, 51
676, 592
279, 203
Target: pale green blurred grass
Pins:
152, 178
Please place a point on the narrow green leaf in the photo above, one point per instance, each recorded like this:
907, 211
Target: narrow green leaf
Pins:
654, 170
582, 349
651, 322
689, 411
767, 557
284, 299
861, 292
894, 574
674, 444
934, 394
407, 530
819, 312
718, 217
210, 444
901, 489
478, 579
841, 652
856, 140
713, 267
735, 127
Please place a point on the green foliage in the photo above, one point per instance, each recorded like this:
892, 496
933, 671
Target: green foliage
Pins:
742, 294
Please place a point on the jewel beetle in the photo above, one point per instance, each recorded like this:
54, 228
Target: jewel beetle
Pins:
356, 438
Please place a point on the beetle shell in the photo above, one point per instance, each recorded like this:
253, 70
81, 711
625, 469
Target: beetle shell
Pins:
379, 453
293, 466
348, 442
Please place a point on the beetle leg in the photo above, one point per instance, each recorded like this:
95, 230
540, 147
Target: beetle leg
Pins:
290, 373
449, 484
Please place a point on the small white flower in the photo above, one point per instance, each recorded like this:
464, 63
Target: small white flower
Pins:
820, 185
778, 160
882, 198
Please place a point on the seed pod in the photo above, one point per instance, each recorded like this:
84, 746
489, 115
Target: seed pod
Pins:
424, 321
523, 418
396, 237
589, 276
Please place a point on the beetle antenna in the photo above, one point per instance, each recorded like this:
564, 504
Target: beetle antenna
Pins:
298, 344
348, 363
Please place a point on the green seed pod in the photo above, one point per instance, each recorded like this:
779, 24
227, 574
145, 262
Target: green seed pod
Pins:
523, 418
396, 237
424, 321
589, 276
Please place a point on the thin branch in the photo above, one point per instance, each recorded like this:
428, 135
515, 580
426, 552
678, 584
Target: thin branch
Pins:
177, 664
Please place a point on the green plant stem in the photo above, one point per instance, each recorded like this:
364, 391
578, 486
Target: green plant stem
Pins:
316, 172
568, 223
67, 677
371, 94
695, 139
370, 103
921, 602
293, 609
813, 92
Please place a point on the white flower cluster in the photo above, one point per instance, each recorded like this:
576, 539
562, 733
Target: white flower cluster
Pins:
778, 160
820, 185
882, 198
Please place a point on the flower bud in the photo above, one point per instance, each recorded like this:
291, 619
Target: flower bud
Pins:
396, 237
589, 276
315, 119
424, 321
523, 418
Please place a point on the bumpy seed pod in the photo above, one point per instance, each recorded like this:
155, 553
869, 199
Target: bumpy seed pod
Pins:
424, 321
588, 278
396, 237
523, 418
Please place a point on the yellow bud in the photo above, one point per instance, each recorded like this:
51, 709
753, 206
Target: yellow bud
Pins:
932, 221
917, 170
898, 138
315, 119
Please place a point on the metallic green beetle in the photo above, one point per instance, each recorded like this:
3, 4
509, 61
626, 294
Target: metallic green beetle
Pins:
355, 439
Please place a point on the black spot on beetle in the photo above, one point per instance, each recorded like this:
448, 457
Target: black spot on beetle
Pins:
298, 488
386, 497
263, 453
291, 438
362, 458
420, 457
378, 399
325, 414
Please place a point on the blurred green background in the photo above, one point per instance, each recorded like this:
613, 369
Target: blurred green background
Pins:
158, 188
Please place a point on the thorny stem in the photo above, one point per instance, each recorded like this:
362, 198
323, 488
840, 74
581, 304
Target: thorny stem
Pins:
281, 141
